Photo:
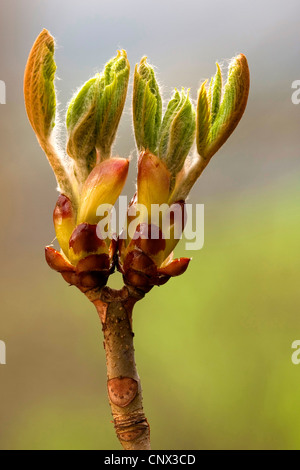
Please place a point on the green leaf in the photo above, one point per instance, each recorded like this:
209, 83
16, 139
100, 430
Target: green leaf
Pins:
39, 91
216, 94
203, 119
217, 117
147, 107
111, 99
94, 114
81, 123
40, 103
177, 131
233, 104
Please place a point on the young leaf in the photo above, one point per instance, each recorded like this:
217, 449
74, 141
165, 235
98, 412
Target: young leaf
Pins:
39, 89
94, 114
203, 119
81, 123
213, 129
147, 107
177, 131
40, 103
216, 93
217, 117
111, 99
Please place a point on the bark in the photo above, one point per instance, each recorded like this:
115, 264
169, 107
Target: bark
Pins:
123, 383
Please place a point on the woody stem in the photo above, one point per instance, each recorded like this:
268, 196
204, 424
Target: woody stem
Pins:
123, 383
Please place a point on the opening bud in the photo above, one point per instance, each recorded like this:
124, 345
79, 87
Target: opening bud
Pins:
94, 113
218, 116
40, 103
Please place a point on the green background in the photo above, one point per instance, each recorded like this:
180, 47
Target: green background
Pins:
213, 347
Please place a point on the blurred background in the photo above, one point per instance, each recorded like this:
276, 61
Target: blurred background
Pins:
213, 347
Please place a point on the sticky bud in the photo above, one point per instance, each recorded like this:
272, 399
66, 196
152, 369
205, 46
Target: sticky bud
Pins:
147, 107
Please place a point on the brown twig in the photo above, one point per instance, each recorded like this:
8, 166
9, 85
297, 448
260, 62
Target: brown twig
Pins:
123, 383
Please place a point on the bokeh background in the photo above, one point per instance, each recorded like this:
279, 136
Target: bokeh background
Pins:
213, 347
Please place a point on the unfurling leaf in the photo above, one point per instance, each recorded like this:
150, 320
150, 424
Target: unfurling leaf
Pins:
40, 103
177, 131
39, 89
112, 95
147, 107
82, 127
94, 114
218, 116
218, 113
203, 119
216, 94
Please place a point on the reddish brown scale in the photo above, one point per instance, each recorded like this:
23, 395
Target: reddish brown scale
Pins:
136, 279
63, 208
145, 243
113, 248
71, 278
56, 261
138, 261
85, 239
175, 267
93, 279
160, 280
94, 263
